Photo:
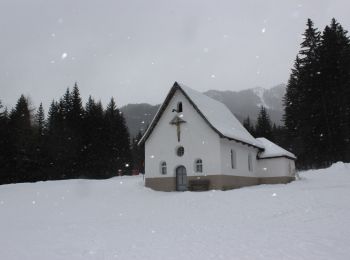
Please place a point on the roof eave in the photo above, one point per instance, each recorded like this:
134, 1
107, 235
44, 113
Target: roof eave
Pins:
241, 142
278, 156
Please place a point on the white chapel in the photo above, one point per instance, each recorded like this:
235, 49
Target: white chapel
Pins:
195, 141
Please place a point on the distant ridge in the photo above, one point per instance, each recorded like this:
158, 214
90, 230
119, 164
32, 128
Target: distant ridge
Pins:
242, 103
247, 102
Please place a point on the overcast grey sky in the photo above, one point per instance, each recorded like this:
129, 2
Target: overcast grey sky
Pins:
135, 49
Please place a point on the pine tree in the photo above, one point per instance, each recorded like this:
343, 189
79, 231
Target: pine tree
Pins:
94, 149
310, 44
5, 155
334, 79
21, 139
118, 140
263, 126
40, 152
40, 120
309, 97
299, 101
74, 129
66, 104
76, 113
55, 142
53, 120
249, 126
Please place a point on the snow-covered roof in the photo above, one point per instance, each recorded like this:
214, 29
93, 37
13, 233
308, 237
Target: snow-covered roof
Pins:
215, 113
273, 150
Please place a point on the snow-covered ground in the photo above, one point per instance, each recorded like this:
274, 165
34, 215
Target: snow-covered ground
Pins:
120, 219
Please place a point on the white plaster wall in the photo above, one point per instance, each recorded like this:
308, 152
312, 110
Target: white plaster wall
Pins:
198, 139
242, 152
276, 167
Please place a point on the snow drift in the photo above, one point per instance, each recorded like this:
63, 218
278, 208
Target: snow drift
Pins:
121, 219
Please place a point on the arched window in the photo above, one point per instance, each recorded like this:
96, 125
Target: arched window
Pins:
163, 168
233, 159
180, 151
179, 107
199, 165
250, 162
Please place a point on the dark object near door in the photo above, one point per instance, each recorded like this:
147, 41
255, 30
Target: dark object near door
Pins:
199, 185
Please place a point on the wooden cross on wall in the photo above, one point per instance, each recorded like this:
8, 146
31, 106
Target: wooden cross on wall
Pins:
177, 121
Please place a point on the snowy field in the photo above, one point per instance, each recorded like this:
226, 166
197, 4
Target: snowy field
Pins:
120, 219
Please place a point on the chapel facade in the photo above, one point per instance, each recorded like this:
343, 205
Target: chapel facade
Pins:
195, 141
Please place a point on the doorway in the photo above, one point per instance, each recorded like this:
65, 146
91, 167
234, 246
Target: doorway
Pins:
181, 178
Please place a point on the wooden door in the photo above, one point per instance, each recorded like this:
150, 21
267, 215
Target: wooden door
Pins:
181, 178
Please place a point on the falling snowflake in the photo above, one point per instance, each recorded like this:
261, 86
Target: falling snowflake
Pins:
263, 30
64, 55
212, 76
274, 194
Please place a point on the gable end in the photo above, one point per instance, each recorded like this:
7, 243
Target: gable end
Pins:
161, 110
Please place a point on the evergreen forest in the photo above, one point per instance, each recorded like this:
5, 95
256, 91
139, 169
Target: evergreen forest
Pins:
72, 141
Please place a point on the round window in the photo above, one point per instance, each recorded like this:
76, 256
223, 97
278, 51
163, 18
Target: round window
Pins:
180, 151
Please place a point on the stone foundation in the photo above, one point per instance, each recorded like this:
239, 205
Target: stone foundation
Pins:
217, 182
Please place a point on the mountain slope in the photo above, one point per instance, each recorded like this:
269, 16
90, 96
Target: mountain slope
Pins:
247, 102
138, 116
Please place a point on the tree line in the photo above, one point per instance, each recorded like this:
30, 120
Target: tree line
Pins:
74, 141
317, 101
